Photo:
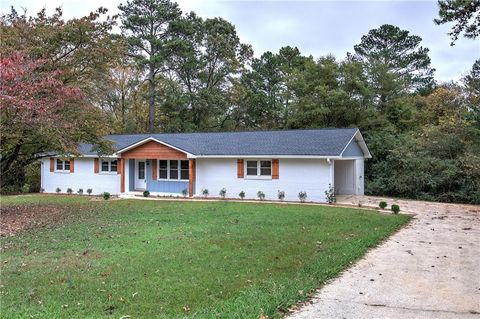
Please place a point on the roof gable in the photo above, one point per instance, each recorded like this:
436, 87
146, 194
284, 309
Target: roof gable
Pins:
353, 150
151, 148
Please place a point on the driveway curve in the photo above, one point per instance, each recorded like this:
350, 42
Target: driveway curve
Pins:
429, 269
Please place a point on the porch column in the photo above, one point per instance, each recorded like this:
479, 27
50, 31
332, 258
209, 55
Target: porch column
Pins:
122, 175
191, 176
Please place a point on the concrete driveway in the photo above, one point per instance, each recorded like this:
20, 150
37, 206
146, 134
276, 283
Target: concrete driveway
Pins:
429, 269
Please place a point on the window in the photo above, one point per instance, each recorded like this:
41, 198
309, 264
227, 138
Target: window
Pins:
259, 168
113, 165
163, 169
63, 166
252, 168
109, 165
184, 169
173, 170
265, 168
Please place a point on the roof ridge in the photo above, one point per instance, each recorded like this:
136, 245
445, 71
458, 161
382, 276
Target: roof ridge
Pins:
252, 131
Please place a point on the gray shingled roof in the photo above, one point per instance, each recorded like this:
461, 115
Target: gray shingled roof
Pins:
314, 142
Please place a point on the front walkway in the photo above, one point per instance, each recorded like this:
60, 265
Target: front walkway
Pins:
429, 269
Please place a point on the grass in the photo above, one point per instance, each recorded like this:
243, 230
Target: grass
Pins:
158, 259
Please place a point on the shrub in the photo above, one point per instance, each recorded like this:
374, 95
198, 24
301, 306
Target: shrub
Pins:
69, 191
25, 188
205, 192
106, 195
58, 190
382, 204
146, 193
241, 195
302, 196
330, 195
42, 190
89, 191
9, 189
261, 195
184, 192
223, 193
281, 195
395, 208
80, 191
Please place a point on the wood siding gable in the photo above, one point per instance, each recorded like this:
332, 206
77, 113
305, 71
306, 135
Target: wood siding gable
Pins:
154, 150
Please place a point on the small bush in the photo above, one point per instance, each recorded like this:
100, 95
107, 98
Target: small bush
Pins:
330, 195
281, 195
184, 192
42, 190
223, 193
9, 189
25, 188
69, 191
205, 192
89, 191
261, 195
302, 196
80, 191
146, 193
382, 204
241, 195
106, 195
395, 208
58, 190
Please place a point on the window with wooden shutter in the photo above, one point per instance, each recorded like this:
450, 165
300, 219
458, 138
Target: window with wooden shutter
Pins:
52, 164
240, 168
63, 166
72, 165
275, 169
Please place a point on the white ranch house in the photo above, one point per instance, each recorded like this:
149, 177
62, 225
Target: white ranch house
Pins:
267, 161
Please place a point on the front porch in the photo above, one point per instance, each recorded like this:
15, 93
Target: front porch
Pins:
157, 168
163, 177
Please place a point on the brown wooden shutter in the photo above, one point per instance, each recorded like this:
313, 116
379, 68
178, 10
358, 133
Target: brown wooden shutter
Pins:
240, 168
191, 176
119, 165
95, 166
154, 169
275, 169
52, 164
122, 176
72, 165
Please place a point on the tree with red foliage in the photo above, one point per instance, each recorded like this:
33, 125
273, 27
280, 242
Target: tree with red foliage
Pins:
39, 114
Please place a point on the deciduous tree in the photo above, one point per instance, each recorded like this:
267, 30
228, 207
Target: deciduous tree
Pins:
82, 48
40, 114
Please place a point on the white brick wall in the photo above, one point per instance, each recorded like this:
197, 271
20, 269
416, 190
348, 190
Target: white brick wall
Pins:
83, 177
310, 175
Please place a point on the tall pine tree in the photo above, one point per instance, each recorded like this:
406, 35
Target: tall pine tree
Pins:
148, 28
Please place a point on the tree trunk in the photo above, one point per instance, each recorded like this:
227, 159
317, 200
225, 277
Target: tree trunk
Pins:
123, 110
151, 94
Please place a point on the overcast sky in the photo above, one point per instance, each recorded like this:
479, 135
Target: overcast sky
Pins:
315, 27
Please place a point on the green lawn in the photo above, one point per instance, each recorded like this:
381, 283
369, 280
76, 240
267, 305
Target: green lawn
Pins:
158, 259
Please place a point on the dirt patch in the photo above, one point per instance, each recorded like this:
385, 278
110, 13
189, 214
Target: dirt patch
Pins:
20, 217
